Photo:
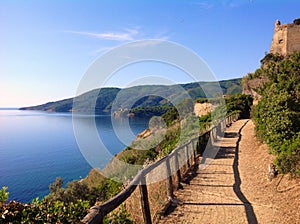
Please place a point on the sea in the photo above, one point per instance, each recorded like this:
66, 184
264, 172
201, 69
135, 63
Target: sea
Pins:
36, 147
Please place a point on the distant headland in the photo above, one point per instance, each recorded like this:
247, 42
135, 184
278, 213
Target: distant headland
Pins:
145, 106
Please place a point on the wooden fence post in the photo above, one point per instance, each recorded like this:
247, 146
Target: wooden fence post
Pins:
215, 130
187, 156
177, 170
222, 125
170, 193
194, 152
211, 136
198, 146
145, 201
201, 145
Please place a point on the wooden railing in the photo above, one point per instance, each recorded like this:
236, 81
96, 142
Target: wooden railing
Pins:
97, 213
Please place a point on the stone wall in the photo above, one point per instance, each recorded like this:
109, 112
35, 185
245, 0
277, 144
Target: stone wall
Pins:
286, 39
293, 37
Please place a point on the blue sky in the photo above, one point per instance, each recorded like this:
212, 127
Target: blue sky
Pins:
46, 46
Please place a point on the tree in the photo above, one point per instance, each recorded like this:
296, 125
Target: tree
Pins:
56, 185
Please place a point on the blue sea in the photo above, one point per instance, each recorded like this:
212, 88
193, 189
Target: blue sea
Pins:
36, 147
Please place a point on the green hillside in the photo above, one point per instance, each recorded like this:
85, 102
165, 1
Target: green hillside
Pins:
138, 98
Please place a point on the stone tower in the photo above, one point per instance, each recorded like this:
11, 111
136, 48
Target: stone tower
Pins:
286, 38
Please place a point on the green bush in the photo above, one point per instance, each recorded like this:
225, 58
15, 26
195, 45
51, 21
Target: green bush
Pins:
277, 115
3, 195
201, 100
119, 216
288, 159
239, 102
68, 205
43, 212
109, 189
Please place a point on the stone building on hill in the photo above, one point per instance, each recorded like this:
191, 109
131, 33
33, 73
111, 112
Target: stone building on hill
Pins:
286, 41
286, 38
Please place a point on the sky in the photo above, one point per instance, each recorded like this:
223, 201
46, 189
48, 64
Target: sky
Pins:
47, 46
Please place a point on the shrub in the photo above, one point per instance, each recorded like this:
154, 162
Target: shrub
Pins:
239, 102
277, 115
43, 212
119, 216
3, 195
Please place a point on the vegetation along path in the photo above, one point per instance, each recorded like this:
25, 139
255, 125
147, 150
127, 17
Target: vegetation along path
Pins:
234, 187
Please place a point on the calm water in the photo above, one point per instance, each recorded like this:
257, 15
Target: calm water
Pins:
37, 147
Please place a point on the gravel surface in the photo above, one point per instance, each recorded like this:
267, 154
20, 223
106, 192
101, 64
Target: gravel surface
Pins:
234, 188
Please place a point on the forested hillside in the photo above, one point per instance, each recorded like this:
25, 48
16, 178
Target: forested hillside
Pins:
145, 105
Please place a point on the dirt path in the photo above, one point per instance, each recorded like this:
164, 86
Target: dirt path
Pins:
277, 201
234, 187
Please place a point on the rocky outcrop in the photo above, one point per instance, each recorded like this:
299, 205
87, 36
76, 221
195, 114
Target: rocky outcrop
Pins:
250, 87
144, 134
201, 109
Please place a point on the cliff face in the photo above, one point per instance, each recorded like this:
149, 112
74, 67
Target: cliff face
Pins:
250, 87
286, 38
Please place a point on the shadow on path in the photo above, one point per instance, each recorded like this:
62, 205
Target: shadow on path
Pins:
226, 152
210, 176
251, 217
